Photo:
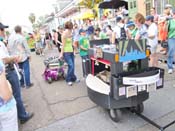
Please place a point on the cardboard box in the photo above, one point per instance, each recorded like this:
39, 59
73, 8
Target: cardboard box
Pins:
105, 76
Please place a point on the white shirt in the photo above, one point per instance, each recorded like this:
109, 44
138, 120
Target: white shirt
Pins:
142, 32
3, 51
117, 30
153, 31
17, 45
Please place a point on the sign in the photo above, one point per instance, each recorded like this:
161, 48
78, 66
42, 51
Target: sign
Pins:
131, 91
141, 80
132, 50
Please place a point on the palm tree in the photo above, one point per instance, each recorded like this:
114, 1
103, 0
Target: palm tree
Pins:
32, 18
89, 3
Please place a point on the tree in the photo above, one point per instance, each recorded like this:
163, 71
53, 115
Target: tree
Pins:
89, 3
32, 18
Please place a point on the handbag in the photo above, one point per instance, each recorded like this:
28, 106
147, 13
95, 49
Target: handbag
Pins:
17, 72
164, 44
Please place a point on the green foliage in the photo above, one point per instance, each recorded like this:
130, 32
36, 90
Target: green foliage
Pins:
36, 23
32, 18
89, 3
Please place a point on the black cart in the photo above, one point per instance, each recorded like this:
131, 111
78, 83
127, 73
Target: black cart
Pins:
119, 77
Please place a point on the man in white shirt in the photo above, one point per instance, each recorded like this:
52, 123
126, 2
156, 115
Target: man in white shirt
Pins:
18, 46
119, 30
152, 40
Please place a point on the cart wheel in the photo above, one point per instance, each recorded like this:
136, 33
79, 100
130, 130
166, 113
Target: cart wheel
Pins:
115, 114
139, 108
49, 80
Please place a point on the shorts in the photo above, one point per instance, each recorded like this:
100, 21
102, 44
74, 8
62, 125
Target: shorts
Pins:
153, 49
39, 45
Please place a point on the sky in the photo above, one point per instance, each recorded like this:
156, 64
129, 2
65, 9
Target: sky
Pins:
16, 12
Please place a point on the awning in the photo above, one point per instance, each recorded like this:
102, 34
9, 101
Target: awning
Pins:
113, 4
85, 15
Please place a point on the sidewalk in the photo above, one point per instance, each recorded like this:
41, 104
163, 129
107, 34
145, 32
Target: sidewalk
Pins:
58, 107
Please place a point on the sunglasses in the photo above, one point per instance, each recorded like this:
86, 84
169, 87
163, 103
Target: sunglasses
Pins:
1, 29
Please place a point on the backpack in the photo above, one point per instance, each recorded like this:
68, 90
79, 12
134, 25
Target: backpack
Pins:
122, 33
59, 37
163, 34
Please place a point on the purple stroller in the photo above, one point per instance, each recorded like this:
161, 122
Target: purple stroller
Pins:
54, 69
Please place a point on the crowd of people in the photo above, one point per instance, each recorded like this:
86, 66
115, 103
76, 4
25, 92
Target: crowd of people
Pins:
70, 40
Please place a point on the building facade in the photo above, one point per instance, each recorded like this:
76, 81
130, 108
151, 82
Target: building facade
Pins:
141, 6
144, 6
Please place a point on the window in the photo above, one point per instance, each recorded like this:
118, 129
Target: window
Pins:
135, 4
131, 6
148, 8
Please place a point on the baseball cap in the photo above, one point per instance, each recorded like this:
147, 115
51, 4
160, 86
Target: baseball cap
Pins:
168, 6
3, 26
118, 18
81, 31
129, 24
149, 17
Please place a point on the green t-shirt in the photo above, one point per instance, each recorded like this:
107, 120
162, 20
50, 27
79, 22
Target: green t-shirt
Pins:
171, 29
84, 42
133, 32
68, 45
103, 35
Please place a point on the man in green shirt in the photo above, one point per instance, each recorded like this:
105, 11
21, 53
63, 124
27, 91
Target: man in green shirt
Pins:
171, 43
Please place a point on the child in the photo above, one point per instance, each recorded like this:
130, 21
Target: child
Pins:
131, 33
84, 45
132, 30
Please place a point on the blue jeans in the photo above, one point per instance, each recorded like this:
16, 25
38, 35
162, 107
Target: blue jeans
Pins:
25, 66
13, 79
69, 58
171, 52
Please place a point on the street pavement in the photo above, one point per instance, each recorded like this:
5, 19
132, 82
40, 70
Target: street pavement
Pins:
59, 107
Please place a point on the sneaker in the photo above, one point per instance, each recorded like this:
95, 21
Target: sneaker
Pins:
77, 81
170, 71
27, 118
163, 52
30, 85
69, 83
23, 86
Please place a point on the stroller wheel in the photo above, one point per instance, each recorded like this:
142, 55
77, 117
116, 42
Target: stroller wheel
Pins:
49, 80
